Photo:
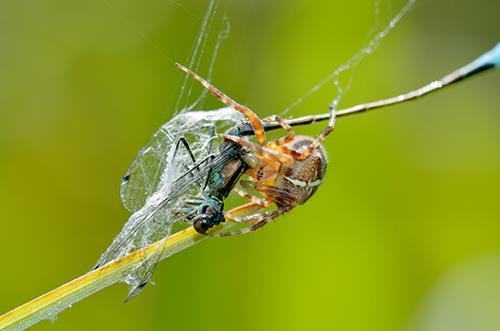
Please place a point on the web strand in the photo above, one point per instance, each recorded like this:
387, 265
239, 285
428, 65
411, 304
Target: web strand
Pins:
353, 62
196, 56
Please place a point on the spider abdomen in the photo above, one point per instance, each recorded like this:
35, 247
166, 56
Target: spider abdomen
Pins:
303, 177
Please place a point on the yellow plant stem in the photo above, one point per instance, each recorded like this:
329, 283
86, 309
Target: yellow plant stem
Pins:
48, 305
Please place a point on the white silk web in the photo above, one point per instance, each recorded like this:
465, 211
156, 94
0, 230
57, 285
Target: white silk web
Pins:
355, 60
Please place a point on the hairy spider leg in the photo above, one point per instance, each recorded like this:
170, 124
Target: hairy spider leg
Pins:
254, 119
260, 220
233, 214
261, 150
247, 195
317, 143
284, 140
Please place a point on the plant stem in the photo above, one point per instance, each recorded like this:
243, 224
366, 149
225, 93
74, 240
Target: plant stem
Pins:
48, 305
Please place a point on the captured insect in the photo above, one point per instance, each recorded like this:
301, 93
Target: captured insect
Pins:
177, 177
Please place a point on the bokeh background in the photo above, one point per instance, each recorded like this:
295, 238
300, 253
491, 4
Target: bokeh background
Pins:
402, 235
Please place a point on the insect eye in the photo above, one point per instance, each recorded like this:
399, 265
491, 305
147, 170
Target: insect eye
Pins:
201, 223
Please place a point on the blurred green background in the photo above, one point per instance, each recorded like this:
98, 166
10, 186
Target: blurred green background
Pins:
402, 235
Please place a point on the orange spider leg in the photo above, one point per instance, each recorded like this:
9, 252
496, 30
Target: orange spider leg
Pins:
315, 145
254, 119
264, 203
261, 151
254, 204
232, 214
284, 140
259, 221
300, 155
297, 155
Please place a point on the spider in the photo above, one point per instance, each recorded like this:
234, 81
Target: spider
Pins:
285, 171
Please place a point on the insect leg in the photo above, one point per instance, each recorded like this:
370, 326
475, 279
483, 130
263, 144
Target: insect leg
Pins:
184, 142
188, 148
196, 167
209, 175
254, 119
211, 139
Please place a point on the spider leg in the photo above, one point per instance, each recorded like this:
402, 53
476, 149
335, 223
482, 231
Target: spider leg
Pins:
260, 219
254, 204
264, 203
261, 151
286, 199
232, 213
316, 143
284, 140
254, 119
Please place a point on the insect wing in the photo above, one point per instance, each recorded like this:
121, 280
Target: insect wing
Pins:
154, 220
152, 168
162, 178
150, 224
